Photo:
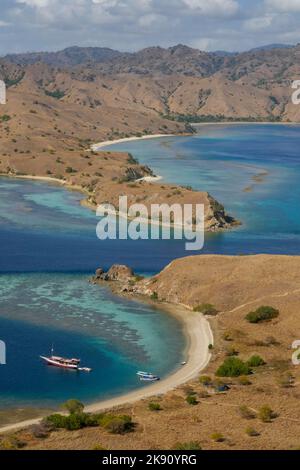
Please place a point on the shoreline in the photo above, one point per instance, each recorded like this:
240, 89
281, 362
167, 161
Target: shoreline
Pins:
199, 335
107, 143
247, 123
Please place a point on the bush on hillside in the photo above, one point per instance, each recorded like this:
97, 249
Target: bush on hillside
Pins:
255, 361
154, 406
266, 414
206, 309
262, 314
233, 367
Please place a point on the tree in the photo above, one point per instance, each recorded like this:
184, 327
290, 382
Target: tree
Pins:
233, 367
73, 406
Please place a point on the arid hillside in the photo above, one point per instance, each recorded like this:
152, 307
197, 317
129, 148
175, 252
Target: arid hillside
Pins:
177, 82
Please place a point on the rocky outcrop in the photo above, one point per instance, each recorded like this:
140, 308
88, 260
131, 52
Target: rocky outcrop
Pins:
137, 172
216, 217
117, 272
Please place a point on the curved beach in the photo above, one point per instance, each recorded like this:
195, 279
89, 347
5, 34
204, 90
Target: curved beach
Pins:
199, 336
107, 143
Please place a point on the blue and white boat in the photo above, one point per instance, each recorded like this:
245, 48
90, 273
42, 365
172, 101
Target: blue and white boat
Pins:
147, 376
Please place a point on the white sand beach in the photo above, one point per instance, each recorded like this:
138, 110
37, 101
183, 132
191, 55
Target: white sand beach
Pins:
199, 337
100, 145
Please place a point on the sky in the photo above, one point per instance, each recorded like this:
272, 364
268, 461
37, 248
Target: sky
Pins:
130, 25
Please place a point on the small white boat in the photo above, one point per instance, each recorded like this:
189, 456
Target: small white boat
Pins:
142, 374
85, 369
149, 378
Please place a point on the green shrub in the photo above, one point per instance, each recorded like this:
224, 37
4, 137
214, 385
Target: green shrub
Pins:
74, 422
206, 309
116, 424
217, 437
262, 314
119, 425
233, 367
251, 432
255, 361
57, 94
205, 380
192, 445
90, 420
69, 169
246, 413
154, 296
154, 406
266, 414
57, 420
191, 400
5, 118
11, 443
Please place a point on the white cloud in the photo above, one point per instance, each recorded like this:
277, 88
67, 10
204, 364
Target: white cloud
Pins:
213, 7
258, 24
35, 3
135, 24
285, 6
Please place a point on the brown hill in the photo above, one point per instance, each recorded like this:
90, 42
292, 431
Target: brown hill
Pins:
175, 83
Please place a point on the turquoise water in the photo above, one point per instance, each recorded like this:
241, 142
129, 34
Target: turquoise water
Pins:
48, 251
113, 336
254, 170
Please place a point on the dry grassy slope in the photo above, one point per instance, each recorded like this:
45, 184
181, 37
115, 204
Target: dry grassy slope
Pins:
226, 281
130, 90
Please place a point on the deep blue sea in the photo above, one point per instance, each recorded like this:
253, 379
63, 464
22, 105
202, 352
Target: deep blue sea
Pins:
48, 250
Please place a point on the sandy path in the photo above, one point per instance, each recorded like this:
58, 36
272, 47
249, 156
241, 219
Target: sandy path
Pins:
199, 335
